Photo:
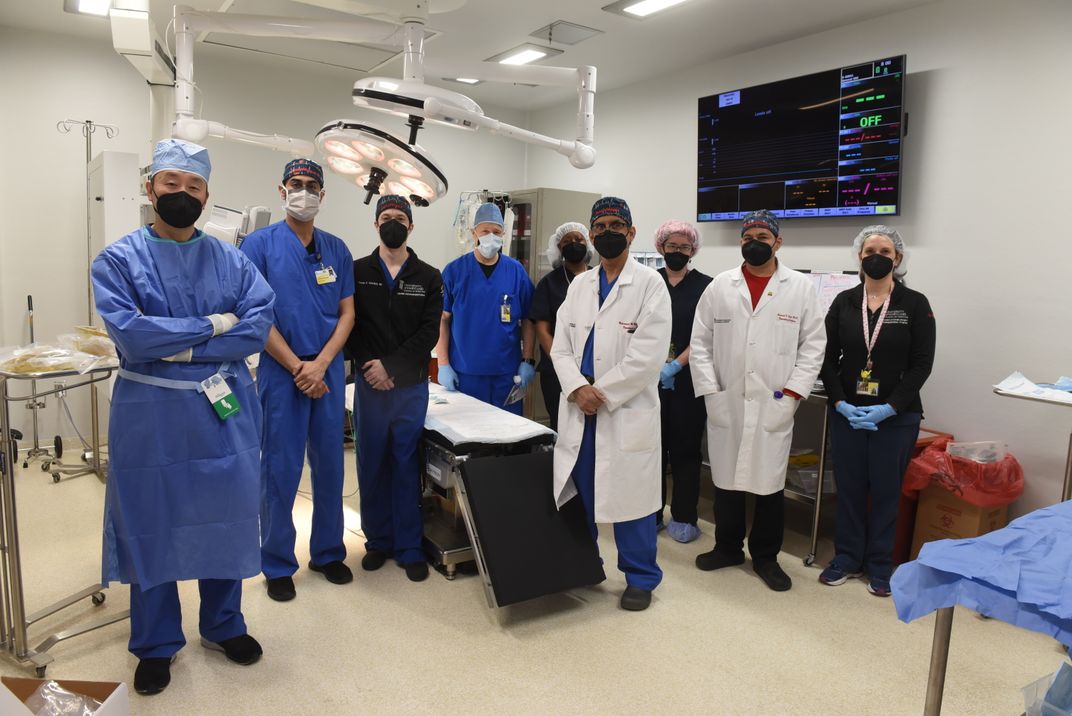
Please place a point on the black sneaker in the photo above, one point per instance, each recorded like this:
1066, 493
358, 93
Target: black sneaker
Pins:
635, 599
373, 560
242, 649
416, 571
281, 589
152, 675
773, 576
710, 561
335, 572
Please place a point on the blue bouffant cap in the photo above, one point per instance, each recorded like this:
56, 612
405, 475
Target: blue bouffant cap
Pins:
180, 155
488, 214
760, 219
303, 167
611, 206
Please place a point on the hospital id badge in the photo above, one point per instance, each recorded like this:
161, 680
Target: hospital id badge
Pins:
325, 275
504, 313
866, 385
219, 394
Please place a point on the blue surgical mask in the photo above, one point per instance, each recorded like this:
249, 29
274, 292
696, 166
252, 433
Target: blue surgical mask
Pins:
489, 244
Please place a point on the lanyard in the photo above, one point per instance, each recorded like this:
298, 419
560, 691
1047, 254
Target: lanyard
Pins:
870, 339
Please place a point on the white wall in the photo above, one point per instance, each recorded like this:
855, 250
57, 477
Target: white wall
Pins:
986, 187
48, 78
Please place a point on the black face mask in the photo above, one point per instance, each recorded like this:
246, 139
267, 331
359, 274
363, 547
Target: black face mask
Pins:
178, 209
393, 234
676, 261
877, 266
574, 252
610, 244
757, 253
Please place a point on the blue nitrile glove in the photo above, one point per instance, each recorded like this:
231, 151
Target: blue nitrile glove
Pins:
526, 372
850, 412
448, 378
667, 373
875, 414
863, 425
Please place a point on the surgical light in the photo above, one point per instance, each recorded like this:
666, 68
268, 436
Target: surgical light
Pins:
342, 165
393, 165
405, 98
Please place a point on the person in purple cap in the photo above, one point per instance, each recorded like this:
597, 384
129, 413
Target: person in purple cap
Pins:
301, 380
610, 343
399, 305
757, 345
486, 339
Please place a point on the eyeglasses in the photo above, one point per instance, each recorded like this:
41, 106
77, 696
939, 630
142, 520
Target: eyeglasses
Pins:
615, 226
678, 248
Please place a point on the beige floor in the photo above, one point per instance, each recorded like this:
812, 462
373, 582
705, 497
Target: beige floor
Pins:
711, 643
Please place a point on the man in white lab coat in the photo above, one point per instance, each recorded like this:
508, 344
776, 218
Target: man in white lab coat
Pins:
757, 346
612, 337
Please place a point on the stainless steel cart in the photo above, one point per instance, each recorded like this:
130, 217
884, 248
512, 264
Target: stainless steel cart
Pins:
14, 621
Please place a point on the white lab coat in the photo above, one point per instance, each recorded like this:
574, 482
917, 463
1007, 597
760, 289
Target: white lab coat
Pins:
739, 358
632, 338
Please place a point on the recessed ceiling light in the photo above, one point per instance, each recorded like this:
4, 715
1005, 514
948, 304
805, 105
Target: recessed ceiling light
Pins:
565, 33
640, 9
88, 7
463, 80
524, 54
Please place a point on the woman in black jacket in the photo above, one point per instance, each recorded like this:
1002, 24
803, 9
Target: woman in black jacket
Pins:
880, 339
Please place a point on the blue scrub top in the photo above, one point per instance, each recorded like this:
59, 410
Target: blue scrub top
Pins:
588, 363
480, 342
391, 280
306, 313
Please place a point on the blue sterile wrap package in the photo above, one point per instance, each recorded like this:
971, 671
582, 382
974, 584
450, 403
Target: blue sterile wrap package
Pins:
1021, 574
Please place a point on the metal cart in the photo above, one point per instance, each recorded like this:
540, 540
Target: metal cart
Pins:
14, 621
815, 501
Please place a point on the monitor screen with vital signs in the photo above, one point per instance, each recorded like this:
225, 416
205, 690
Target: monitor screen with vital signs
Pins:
827, 144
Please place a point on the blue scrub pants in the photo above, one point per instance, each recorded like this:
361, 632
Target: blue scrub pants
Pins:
635, 539
868, 463
388, 425
156, 617
491, 389
293, 424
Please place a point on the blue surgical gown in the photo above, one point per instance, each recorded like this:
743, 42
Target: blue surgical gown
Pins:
306, 313
183, 492
480, 342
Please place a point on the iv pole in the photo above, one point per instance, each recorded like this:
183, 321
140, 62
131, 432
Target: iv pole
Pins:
89, 127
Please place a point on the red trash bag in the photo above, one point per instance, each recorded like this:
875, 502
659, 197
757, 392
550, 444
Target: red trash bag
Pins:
981, 484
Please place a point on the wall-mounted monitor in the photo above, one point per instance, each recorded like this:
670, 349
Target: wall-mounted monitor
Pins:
826, 144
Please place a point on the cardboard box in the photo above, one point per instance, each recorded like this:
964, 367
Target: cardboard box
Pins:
943, 515
112, 695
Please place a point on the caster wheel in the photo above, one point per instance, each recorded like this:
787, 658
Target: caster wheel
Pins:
45, 467
40, 671
98, 599
57, 444
55, 477
809, 560
25, 464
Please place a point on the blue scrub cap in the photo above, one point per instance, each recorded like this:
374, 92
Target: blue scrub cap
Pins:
612, 206
760, 219
488, 214
180, 155
303, 167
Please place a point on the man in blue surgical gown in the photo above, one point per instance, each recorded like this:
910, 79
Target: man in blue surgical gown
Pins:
301, 380
486, 339
184, 310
